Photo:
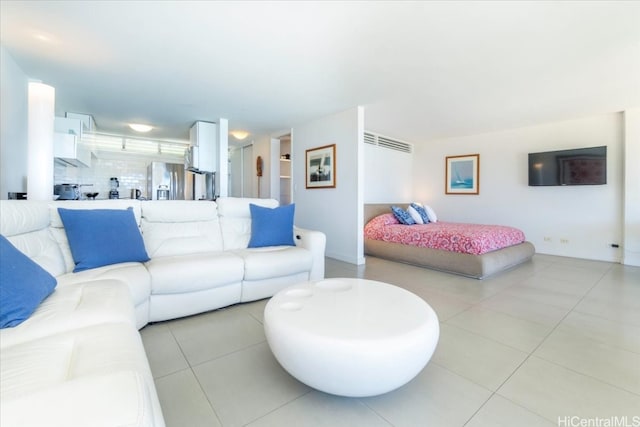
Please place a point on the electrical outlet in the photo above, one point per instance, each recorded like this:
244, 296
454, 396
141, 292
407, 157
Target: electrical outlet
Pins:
564, 241
547, 238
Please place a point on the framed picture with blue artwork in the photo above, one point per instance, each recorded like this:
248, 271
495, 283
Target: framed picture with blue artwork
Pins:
462, 174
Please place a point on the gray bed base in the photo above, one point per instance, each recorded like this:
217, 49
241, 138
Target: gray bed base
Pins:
476, 266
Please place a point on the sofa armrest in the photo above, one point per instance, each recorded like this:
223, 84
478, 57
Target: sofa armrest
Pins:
314, 241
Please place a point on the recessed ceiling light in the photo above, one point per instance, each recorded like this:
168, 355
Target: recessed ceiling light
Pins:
239, 134
43, 37
140, 127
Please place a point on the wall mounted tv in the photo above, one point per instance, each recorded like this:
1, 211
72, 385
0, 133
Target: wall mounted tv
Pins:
581, 166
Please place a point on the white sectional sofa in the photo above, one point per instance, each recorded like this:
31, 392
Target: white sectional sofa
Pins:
78, 360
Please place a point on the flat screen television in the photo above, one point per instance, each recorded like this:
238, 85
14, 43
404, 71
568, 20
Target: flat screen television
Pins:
581, 166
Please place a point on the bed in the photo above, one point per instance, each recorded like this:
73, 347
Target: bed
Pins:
482, 260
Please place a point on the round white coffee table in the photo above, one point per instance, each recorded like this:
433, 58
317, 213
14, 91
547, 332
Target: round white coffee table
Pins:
351, 337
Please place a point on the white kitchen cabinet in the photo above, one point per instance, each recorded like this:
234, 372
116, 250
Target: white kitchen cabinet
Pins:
202, 154
88, 124
67, 125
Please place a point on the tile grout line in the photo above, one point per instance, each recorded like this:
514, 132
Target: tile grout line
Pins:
192, 366
543, 341
275, 409
213, 409
529, 355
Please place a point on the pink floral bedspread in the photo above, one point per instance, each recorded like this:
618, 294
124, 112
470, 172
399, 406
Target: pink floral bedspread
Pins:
474, 239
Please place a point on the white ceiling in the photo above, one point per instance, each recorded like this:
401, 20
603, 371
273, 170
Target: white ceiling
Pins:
423, 70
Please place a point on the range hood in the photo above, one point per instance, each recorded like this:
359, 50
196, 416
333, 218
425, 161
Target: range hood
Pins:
68, 151
67, 148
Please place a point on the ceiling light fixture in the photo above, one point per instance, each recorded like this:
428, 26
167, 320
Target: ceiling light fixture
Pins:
239, 134
140, 127
42, 37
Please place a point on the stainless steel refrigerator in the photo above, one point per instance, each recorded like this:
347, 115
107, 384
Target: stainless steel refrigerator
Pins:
167, 181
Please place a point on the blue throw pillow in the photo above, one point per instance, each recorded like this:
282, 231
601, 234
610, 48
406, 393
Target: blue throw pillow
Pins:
99, 237
421, 211
23, 285
403, 216
271, 227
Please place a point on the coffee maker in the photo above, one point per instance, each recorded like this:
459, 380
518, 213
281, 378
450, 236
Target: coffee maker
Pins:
114, 184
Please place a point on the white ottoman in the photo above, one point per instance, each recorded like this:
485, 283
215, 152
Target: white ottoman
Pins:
351, 337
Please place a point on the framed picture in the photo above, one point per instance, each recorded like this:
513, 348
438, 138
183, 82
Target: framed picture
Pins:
321, 167
462, 174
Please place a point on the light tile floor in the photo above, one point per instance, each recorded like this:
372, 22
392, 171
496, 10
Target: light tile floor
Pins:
553, 342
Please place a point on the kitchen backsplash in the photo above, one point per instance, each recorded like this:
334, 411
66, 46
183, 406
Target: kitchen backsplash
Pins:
130, 169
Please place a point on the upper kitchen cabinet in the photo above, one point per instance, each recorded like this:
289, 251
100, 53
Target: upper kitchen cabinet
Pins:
88, 124
202, 151
67, 146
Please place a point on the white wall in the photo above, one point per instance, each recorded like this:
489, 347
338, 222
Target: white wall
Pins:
335, 211
13, 126
631, 241
262, 148
388, 175
589, 218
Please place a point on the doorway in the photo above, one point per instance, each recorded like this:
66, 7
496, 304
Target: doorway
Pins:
282, 170
241, 171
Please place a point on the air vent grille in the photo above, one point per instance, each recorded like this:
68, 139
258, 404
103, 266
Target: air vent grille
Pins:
119, 143
389, 143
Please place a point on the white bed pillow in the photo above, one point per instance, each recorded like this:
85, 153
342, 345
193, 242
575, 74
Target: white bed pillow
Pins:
430, 213
421, 212
415, 215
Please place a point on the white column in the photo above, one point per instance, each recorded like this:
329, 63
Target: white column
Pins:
222, 174
631, 203
41, 100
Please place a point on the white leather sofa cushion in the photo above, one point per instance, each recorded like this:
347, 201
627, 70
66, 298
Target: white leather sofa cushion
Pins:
74, 307
118, 399
73, 365
42, 249
172, 306
26, 226
274, 261
179, 227
57, 227
133, 274
259, 289
195, 272
235, 219
19, 217
178, 210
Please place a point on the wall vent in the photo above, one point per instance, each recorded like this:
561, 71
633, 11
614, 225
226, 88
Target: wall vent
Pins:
386, 142
98, 141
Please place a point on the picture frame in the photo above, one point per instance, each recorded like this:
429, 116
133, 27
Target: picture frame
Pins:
320, 167
462, 174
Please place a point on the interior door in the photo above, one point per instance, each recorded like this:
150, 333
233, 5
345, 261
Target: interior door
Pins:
248, 171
